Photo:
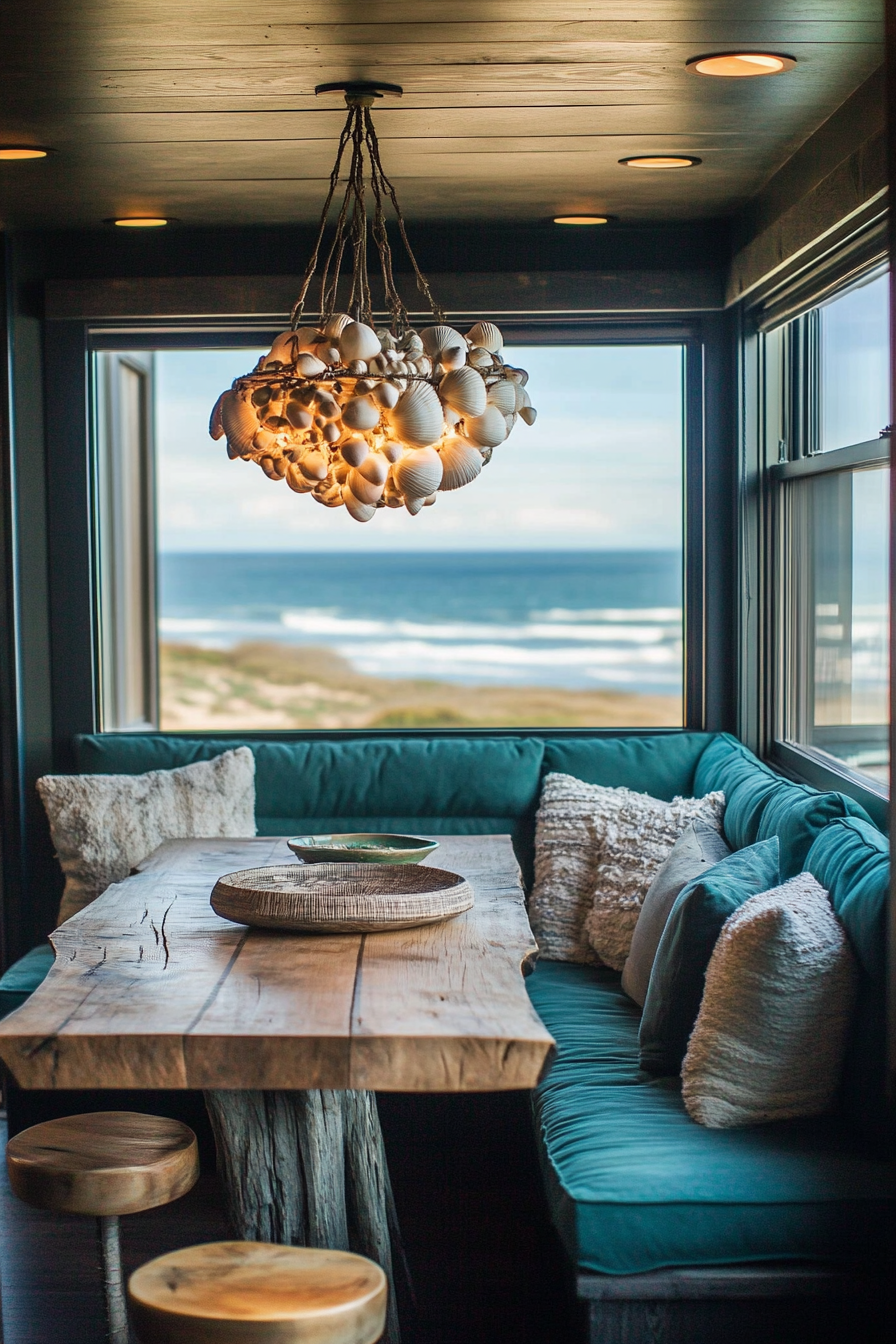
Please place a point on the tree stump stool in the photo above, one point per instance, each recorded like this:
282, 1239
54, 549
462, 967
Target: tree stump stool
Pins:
107, 1164
259, 1293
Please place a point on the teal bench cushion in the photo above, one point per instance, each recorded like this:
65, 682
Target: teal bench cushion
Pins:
661, 764
23, 977
851, 860
635, 1185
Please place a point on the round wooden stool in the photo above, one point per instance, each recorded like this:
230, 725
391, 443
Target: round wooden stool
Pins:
107, 1164
250, 1292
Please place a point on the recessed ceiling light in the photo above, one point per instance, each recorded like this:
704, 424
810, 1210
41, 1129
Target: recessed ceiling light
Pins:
141, 222
741, 64
661, 161
14, 152
582, 219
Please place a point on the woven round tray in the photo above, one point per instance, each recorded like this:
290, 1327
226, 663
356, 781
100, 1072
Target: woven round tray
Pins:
341, 897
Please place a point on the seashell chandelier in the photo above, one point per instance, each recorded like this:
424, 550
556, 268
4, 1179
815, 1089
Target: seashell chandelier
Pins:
363, 417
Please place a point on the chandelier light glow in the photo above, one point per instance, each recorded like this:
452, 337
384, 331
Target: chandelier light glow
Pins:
363, 417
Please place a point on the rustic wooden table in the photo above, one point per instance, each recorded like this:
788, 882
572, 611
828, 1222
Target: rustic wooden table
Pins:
288, 1035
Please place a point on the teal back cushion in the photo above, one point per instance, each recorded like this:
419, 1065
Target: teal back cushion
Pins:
679, 969
746, 783
797, 815
851, 860
661, 764
461, 785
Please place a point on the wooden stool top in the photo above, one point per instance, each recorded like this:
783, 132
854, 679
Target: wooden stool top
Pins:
111, 1162
251, 1290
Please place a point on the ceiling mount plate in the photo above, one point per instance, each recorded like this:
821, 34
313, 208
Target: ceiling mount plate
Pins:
362, 91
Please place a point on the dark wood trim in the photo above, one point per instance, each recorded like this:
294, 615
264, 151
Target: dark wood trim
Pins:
726, 1281
271, 297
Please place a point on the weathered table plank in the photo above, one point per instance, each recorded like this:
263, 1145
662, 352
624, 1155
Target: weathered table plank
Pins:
152, 989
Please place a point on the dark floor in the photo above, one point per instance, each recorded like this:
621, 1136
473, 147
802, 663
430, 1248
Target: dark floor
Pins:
482, 1257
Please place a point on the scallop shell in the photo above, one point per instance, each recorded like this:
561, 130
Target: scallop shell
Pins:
284, 349
487, 336
239, 421
297, 481
309, 365
503, 395
374, 468
528, 414
360, 413
386, 395
413, 506
361, 512
315, 466
358, 367
437, 339
480, 358
486, 430
418, 473
354, 451
461, 463
358, 341
393, 452
308, 338
368, 492
336, 324
417, 417
215, 423
464, 391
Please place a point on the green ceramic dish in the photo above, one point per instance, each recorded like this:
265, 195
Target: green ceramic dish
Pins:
361, 847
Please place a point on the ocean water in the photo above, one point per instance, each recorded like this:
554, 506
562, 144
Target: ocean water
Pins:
572, 619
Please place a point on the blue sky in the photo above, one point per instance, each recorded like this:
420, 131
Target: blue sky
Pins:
600, 469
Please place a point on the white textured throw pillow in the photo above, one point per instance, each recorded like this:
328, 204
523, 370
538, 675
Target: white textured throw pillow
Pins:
102, 825
640, 835
769, 1038
587, 840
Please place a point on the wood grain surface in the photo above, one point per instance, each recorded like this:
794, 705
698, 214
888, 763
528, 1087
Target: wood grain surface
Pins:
254, 1291
152, 989
106, 1163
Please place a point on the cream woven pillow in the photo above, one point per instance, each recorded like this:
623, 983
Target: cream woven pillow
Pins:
102, 825
582, 832
769, 1039
639, 838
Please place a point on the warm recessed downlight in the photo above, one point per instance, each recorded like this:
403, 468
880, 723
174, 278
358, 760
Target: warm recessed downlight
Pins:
141, 222
741, 64
581, 219
661, 161
12, 153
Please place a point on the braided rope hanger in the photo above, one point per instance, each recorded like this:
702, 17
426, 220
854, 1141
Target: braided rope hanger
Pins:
351, 226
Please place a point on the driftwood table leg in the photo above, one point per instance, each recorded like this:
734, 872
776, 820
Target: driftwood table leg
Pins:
307, 1169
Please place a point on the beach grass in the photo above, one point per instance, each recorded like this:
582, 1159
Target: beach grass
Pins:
275, 686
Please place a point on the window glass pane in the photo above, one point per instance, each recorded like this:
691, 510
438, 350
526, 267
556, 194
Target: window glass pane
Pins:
548, 592
839, 693
855, 383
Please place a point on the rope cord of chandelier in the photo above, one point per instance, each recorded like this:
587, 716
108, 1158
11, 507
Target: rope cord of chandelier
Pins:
351, 226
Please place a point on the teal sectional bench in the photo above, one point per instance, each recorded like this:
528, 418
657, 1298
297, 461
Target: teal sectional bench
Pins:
652, 1209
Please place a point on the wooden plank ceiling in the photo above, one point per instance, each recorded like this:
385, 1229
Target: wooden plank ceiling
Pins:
513, 109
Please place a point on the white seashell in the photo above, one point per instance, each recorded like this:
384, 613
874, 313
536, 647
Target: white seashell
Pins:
486, 430
309, 365
215, 423
298, 415
354, 450
436, 339
378, 365
361, 512
503, 395
455, 357
451, 417
464, 391
239, 421
413, 506
374, 468
486, 335
361, 413
412, 345
423, 365
358, 367
386, 395
314, 466
461, 463
417, 417
430, 499
368, 492
326, 405
480, 358
418, 473
358, 341
332, 432
327, 353
516, 375
393, 452
308, 338
297, 481
335, 325
528, 414
520, 397
284, 349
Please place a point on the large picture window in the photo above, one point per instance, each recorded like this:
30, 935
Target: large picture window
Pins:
831, 554
547, 593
